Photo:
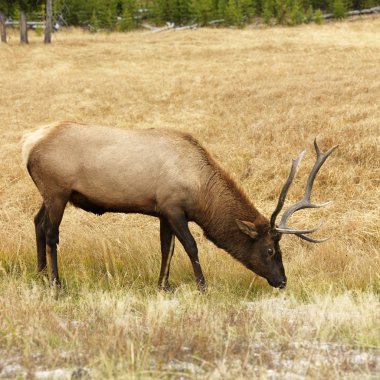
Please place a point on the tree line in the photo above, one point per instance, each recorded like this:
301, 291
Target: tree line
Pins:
124, 15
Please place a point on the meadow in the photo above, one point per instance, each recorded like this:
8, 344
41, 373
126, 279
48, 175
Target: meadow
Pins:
254, 98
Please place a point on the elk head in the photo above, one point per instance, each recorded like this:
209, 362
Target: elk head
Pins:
267, 260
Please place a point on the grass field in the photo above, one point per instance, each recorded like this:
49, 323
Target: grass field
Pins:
254, 98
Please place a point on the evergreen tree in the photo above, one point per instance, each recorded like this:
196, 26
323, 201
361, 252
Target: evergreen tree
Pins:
339, 9
280, 11
201, 11
164, 9
94, 22
297, 14
318, 17
233, 15
110, 19
348, 4
309, 14
322, 4
157, 12
367, 4
247, 10
109, 14
267, 11
126, 23
100, 7
221, 9
306, 4
183, 8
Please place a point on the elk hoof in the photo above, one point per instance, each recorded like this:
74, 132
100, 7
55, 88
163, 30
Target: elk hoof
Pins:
167, 287
202, 287
55, 284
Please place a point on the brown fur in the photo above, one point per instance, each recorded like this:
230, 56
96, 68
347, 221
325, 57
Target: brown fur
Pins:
162, 173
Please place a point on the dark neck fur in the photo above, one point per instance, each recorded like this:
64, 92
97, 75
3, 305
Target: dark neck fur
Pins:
221, 204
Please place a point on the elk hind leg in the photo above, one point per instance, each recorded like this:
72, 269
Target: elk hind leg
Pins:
167, 249
53, 218
39, 224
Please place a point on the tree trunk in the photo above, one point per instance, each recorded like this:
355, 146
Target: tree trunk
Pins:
23, 28
3, 29
48, 21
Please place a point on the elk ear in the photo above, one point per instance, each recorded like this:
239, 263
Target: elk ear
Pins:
248, 228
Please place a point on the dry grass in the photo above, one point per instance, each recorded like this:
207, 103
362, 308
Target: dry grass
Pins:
254, 98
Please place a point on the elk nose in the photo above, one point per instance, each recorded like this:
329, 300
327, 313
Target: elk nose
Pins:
283, 284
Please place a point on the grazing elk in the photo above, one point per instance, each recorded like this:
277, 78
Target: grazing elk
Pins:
162, 173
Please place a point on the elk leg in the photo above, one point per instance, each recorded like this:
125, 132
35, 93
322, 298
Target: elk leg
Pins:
40, 239
54, 214
180, 227
167, 249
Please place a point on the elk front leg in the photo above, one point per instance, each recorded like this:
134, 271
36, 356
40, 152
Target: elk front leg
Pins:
179, 224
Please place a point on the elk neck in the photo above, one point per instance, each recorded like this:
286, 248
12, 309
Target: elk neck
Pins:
221, 203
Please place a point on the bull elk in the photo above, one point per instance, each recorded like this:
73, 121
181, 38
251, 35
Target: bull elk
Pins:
162, 173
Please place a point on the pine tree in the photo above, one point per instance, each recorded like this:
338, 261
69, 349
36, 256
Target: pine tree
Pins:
368, 4
233, 15
348, 4
126, 22
158, 12
247, 10
339, 9
101, 8
267, 11
309, 14
183, 11
306, 4
201, 10
94, 22
318, 17
110, 19
221, 9
173, 11
297, 14
280, 8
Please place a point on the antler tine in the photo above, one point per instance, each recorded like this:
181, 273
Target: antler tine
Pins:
311, 240
289, 230
293, 171
305, 201
321, 158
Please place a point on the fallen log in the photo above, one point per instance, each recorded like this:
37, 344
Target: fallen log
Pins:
169, 25
193, 26
149, 27
213, 22
358, 12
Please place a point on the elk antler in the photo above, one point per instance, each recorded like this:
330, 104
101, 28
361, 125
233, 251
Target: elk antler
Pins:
304, 202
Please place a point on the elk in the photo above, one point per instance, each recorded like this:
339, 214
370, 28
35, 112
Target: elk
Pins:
163, 173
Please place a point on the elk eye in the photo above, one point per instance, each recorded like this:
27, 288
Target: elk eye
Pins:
270, 251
